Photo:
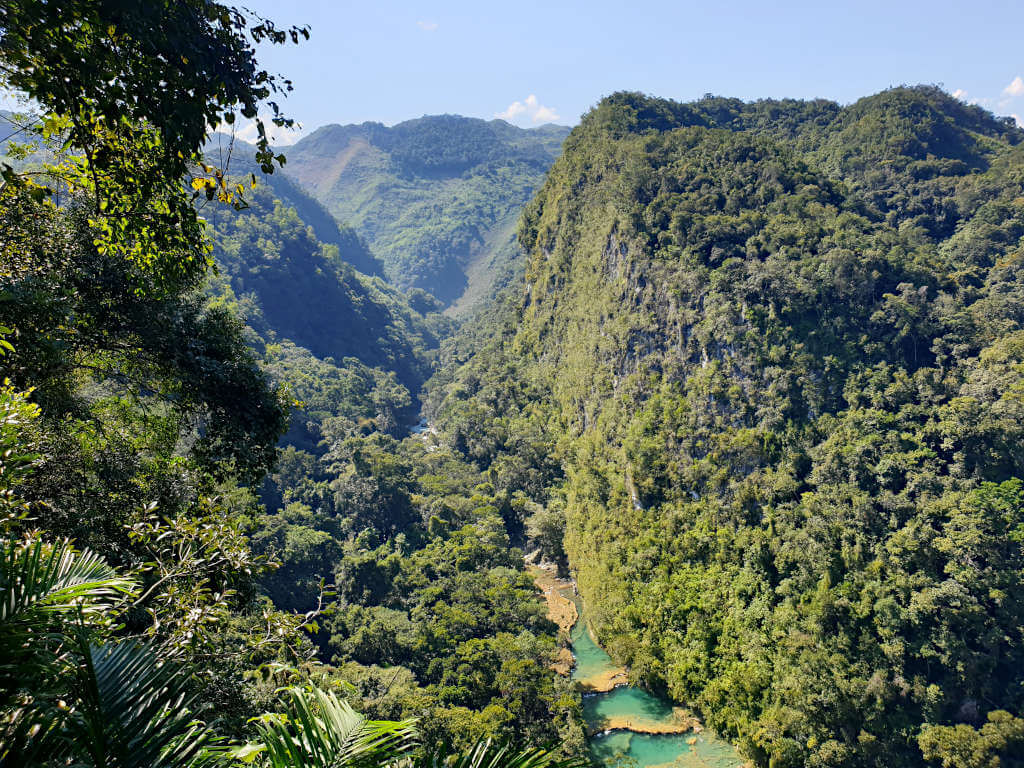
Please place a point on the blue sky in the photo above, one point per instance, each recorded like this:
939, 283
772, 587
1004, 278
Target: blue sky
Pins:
535, 62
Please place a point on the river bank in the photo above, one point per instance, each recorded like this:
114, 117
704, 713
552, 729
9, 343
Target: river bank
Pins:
681, 722
562, 610
623, 721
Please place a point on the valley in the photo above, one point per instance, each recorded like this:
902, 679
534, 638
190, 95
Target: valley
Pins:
721, 298
689, 435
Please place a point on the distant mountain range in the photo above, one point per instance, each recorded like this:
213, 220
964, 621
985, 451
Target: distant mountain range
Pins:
437, 199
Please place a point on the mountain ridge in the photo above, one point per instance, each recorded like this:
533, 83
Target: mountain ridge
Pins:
430, 195
762, 343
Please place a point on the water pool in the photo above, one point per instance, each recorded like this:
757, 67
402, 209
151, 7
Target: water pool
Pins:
630, 707
644, 749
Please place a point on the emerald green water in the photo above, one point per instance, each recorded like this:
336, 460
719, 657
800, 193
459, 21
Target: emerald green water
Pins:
644, 749
640, 708
635, 704
591, 658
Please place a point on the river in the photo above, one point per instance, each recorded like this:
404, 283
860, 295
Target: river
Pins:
629, 725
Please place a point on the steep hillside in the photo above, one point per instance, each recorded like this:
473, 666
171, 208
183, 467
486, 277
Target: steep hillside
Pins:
436, 198
320, 325
777, 351
238, 157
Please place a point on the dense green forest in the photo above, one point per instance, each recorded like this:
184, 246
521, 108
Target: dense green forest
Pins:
219, 543
753, 373
437, 198
776, 350
432, 614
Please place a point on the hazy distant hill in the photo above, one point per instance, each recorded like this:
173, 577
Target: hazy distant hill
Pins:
437, 198
238, 157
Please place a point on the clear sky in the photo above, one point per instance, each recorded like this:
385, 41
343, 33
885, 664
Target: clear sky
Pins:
535, 62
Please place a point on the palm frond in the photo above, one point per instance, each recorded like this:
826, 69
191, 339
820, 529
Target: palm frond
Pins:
318, 730
29, 736
42, 587
41, 584
133, 712
39, 578
488, 753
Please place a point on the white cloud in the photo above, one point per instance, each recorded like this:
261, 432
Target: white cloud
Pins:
1008, 96
545, 115
515, 109
1020, 122
529, 108
246, 131
427, 26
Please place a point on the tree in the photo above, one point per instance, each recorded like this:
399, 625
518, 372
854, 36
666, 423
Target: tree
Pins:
545, 527
178, 66
999, 743
129, 91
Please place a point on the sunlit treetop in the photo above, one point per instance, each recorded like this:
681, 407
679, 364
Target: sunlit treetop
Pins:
180, 66
129, 91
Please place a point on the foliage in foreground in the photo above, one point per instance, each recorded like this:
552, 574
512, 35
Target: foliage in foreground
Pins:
89, 701
144, 414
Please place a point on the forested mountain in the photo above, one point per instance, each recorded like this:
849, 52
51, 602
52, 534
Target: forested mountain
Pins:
226, 150
437, 198
210, 507
775, 349
433, 612
759, 386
